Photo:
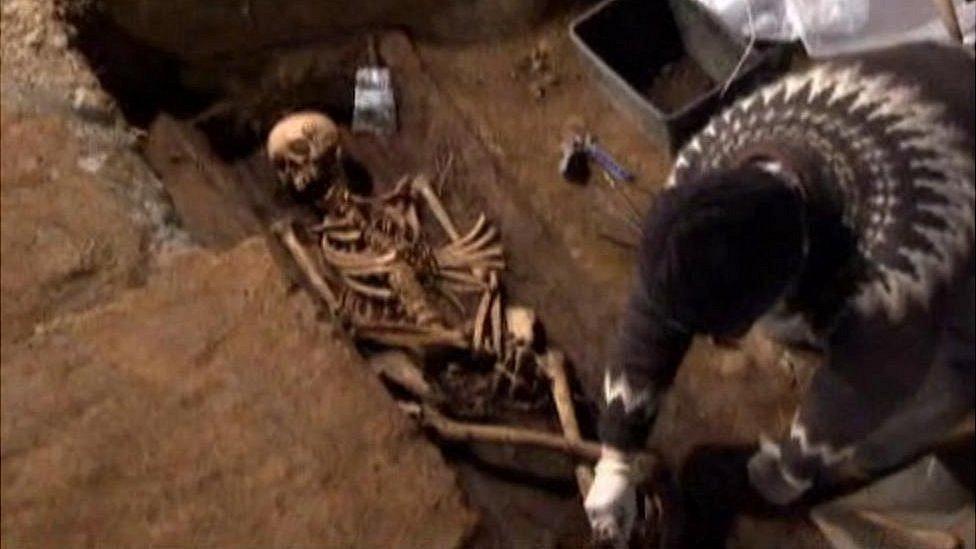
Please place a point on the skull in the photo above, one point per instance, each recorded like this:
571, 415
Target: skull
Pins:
303, 147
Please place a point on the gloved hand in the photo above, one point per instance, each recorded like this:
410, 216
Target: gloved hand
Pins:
771, 477
611, 504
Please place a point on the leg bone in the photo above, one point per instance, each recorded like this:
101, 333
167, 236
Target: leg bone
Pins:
497, 341
411, 336
554, 366
307, 265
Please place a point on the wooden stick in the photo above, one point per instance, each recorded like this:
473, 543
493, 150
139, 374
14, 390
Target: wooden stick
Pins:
458, 431
554, 365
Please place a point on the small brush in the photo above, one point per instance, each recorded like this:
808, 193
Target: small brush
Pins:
374, 103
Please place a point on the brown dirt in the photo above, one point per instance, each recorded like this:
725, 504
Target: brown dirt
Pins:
157, 393
146, 394
678, 84
194, 29
206, 193
68, 243
209, 408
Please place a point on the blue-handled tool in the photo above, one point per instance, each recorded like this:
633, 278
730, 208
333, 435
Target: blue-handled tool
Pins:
607, 162
580, 149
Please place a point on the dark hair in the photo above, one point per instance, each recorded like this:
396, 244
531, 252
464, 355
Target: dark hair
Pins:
717, 252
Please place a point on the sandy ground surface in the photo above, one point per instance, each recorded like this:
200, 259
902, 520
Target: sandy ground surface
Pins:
210, 408
206, 405
68, 243
155, 392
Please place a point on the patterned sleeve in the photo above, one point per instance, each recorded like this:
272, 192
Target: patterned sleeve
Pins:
647, 354
886, 394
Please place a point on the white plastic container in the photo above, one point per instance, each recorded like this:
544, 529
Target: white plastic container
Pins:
832, 27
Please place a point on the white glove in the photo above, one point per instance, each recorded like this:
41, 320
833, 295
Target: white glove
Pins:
770, 476
611, 505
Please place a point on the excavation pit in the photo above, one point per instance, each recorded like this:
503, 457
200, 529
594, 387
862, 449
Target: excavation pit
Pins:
205, 114
208, 151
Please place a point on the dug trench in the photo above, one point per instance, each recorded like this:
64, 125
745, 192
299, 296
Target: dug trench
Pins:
204, 122
208, 152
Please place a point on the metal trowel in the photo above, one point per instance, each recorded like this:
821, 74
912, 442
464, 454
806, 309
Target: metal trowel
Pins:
374, 104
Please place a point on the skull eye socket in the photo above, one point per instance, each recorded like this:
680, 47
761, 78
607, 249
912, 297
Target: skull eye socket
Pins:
280, 163
299, 147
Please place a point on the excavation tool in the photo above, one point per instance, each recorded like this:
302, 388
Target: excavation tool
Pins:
582, 148
374, 104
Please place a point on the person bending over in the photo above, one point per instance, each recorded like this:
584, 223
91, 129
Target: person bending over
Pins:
834, 208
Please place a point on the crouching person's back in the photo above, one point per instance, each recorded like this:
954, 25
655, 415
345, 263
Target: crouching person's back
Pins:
835, 209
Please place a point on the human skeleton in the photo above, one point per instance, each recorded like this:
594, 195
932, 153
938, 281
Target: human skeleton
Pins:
379, 272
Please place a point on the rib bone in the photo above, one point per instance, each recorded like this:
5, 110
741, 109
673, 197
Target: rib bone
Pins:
367, 290
422, 186
356, 261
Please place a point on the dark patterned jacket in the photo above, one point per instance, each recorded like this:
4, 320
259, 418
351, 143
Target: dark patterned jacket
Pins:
880, 146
